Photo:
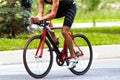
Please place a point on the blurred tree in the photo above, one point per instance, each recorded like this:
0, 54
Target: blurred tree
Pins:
92, 5
27, 4
12, 17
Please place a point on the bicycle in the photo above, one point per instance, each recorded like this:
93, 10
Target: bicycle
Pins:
38, 53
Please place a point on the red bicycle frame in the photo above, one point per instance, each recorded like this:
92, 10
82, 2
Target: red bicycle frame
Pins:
41, 43
64, 51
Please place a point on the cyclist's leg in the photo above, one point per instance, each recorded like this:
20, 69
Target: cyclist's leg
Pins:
74, 59
69, 18
65, 33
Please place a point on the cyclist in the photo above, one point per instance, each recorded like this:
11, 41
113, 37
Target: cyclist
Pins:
60, 8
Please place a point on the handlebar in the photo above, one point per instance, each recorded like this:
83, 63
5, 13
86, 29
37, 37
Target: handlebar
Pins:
42, 23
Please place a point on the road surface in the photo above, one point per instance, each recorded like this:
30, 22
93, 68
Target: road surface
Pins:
102, 69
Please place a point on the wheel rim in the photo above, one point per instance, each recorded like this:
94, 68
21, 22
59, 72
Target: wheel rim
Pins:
37, 67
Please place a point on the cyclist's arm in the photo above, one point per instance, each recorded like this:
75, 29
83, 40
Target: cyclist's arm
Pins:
40, 8
53, 12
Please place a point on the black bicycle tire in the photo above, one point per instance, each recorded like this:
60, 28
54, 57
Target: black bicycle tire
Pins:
91, 55
24, 58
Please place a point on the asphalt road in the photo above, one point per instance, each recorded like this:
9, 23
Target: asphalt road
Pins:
101, 69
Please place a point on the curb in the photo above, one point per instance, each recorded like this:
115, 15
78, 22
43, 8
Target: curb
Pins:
91, 24
106, 51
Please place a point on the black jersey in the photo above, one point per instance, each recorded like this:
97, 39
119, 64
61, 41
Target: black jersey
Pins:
62, 2
67, 9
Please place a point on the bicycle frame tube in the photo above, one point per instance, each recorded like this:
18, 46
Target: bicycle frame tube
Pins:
81, 53
62, 54
64, 51
53, 44
41, 43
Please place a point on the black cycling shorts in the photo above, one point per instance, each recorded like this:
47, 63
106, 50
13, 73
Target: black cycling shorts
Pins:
68, 12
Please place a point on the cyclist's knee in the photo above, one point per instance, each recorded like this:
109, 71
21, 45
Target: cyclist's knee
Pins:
65, 31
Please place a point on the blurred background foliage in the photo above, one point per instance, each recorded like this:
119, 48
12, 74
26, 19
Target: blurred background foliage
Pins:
13, 13
12, 17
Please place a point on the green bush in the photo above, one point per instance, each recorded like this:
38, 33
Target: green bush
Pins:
12, 17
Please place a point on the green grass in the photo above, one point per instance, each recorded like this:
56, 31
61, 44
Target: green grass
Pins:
96, 35
11, 44
98, 16
101, 35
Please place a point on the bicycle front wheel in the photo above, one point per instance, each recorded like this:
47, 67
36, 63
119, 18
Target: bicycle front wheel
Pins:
37, 67
82, 45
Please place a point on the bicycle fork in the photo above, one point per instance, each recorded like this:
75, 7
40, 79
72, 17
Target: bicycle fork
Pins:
41, 44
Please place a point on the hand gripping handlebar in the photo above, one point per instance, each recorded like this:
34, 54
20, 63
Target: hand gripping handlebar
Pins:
42, 23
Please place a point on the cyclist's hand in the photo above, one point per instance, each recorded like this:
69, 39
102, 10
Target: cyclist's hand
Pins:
34, 19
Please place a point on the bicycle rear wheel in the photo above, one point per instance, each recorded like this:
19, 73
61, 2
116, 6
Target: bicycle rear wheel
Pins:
85, 60
37, 67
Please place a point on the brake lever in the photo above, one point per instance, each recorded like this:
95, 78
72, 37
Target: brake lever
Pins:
47, 27
42, 23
